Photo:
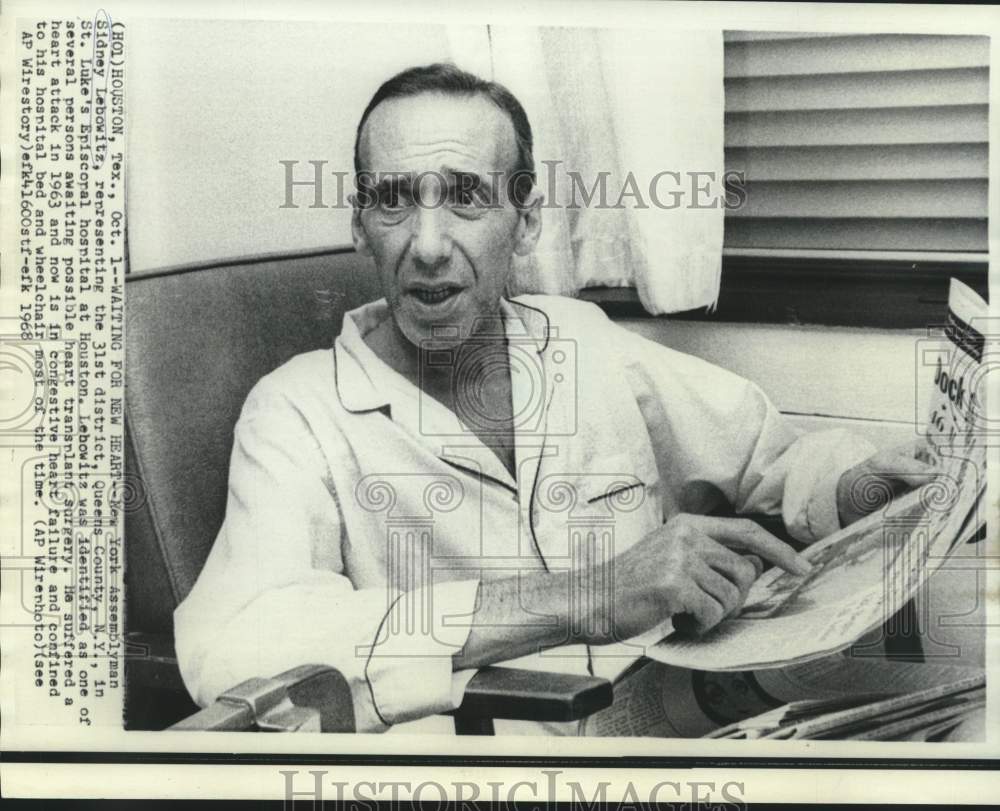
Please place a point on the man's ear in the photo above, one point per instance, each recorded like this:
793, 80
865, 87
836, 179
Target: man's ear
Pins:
529, 225
358, 234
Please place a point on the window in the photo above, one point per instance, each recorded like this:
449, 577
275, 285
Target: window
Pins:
858, 142
865, 159
865, 164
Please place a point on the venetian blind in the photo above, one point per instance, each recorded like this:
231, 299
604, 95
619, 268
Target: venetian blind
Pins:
858, 142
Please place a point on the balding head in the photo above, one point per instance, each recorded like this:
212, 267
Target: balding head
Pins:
448, 80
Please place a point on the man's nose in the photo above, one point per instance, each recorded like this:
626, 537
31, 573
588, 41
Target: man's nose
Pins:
431, 243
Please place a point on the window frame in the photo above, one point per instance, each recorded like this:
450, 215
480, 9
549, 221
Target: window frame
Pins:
835, 289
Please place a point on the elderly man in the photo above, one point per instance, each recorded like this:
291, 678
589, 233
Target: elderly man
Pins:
467, 479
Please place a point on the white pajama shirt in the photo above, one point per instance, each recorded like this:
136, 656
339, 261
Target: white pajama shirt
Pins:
361, 514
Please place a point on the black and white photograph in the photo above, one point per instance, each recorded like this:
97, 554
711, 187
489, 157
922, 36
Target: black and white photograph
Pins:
502, 377
454, 381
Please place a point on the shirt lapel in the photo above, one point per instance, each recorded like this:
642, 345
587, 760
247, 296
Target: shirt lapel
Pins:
531, 391
365, 383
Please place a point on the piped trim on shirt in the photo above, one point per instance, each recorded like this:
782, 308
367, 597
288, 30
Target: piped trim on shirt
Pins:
368, 661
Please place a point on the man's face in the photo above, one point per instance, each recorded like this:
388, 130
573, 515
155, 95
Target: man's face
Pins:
441, 229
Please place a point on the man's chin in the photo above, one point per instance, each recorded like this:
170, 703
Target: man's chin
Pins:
433, 337
433, 327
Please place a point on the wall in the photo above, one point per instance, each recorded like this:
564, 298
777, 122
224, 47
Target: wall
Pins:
213, 108
865, 379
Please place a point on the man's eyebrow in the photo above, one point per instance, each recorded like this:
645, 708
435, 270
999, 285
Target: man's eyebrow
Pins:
393, 181
466, 179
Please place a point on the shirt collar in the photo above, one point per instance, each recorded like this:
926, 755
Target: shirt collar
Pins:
361, 376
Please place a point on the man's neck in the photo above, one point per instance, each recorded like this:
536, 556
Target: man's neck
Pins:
475, 385
392, 347
482, 350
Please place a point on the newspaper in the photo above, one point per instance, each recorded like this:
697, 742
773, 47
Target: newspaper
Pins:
864, 574
931, 711
653, 699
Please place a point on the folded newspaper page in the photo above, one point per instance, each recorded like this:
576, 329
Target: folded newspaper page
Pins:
867, 571
657, 700
931, 711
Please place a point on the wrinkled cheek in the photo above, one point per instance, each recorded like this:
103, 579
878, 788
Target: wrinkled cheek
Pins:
387, 261
387, 245
492, 269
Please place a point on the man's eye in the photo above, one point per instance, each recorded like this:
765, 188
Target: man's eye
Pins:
393, 201
464, 197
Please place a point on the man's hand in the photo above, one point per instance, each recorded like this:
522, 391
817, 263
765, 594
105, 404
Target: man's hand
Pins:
690, 569
871, 485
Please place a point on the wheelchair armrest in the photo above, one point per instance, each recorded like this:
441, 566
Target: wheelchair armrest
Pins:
316, 697
308, 698
513, 693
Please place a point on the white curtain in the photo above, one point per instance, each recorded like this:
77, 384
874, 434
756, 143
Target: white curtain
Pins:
631, 104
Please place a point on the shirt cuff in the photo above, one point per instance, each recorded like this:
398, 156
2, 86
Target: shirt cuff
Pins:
409, 669
822, 512
810, 499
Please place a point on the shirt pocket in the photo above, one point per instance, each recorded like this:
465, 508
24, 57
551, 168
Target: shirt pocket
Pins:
594, 514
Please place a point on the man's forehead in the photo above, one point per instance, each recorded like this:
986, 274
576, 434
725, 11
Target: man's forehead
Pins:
419, 132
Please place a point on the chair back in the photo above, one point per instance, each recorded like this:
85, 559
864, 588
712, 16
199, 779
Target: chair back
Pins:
196, 341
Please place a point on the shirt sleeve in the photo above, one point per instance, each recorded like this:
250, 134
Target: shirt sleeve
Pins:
274, 593
715, 432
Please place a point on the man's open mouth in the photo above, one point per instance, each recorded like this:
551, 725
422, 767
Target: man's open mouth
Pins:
435, 296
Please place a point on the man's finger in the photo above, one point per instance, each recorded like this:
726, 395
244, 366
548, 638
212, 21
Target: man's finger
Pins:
905, 469
732, 565
704, 613
924, 451
913, 448
724, 590
742, 533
